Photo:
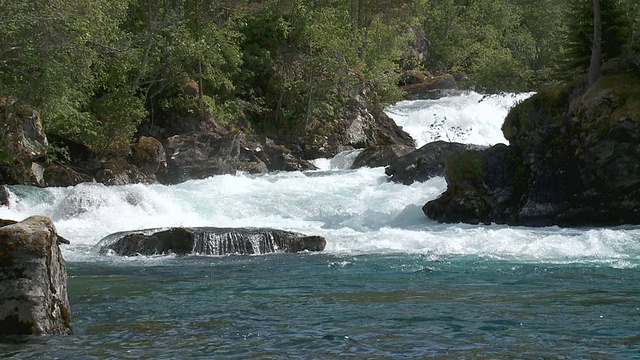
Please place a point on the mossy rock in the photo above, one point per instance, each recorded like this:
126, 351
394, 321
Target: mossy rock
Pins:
546, 106
464, 168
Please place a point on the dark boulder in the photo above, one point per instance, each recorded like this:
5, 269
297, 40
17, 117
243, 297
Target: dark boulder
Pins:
480, 187
383, 155
4, 222
425, 162
148, 155
277, 157
4, 196
412, 77
118, 171
33, 280
431, 87
77, 165
209, 241
56, 174
198, 155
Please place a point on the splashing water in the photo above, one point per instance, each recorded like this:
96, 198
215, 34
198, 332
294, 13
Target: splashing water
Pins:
358, 211
468, 118
390, 284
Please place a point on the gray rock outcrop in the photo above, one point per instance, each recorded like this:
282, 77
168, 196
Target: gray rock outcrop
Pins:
361, 124
383, 155
33, 279
424, 163
572, 160
208, 241
4, 196
22, 137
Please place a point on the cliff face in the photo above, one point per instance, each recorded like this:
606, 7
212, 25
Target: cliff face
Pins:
572, 159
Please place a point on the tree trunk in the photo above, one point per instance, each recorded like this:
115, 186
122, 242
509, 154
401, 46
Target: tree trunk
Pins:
594, 67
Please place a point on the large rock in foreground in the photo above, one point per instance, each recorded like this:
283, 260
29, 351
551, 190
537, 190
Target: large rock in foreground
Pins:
33, 280
209, 241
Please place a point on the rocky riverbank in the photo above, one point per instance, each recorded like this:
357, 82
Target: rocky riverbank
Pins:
572, 159
189, 148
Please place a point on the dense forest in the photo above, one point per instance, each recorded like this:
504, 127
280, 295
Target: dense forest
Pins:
98, 69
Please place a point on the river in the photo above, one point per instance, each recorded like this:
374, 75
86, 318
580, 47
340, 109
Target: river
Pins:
390, 284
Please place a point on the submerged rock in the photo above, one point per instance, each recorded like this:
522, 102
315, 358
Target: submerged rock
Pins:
209, 241
33, 280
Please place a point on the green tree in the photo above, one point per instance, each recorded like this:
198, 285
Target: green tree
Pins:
302, 58
616, 18
596, 47
498, 45
187, 51
67, 59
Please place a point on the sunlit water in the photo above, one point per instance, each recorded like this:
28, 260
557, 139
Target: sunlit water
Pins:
468, 118
390, 284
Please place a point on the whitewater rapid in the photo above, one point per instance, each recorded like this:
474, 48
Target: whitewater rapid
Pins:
358, 211
470, 118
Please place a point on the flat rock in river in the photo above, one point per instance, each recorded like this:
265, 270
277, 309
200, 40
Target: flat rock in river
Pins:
209, 241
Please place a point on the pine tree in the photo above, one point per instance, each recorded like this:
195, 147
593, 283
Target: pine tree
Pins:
616, 33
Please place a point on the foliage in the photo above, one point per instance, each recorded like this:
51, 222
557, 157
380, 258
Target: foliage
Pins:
617, 18
500, 45
96, 70
302, 60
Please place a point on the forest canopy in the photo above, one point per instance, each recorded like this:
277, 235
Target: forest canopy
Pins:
97, 69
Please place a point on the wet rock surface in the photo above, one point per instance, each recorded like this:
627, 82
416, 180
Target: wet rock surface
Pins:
209, 241
424, 163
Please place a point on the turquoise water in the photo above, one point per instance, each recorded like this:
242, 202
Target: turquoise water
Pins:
319, 306
391, 284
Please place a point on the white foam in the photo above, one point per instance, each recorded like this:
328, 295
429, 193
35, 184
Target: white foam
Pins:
358, 211
341, 161
468, 118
